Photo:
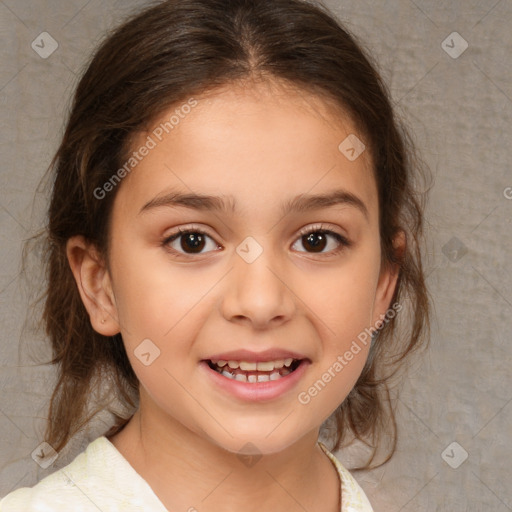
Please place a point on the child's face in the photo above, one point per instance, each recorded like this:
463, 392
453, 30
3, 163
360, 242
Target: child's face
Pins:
252, 282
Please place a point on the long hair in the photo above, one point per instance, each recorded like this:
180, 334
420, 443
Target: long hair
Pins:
159, 58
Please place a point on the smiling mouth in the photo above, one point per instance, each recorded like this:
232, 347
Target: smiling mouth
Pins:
255, 372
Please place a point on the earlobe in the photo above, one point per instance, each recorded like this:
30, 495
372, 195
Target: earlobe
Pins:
94, 285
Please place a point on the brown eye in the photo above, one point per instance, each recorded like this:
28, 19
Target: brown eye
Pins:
190, 242
193, 241
316, 241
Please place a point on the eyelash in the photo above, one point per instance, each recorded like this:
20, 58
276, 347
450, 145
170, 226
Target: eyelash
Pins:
318, 229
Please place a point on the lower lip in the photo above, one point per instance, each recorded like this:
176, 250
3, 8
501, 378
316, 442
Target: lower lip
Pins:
256, 391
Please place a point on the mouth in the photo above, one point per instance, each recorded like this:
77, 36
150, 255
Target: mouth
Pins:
254, 372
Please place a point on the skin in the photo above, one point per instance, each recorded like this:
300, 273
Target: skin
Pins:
264, 144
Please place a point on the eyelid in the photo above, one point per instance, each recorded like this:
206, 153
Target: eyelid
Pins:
343, 241
303, 231
183, 230
196, 228
321, 227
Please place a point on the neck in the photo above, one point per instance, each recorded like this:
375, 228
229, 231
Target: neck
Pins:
186, 470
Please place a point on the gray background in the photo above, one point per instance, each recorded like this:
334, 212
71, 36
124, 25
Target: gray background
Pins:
460, 110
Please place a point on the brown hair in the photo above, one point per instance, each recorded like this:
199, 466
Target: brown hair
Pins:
159, 58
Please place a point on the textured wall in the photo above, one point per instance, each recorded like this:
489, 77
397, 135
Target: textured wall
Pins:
459, 105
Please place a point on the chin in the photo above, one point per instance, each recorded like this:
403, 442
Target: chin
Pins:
254, 441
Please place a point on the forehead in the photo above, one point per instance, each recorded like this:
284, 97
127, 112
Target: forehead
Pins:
250, 140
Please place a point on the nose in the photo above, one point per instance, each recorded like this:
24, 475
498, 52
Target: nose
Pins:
258, 293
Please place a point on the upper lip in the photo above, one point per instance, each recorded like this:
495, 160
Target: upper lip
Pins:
273, 354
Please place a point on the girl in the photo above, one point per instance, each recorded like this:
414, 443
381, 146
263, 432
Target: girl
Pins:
232, 238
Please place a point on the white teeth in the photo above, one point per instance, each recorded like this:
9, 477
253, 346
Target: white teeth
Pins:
266, 366
249, 366
252, 378
274, 369
246, 366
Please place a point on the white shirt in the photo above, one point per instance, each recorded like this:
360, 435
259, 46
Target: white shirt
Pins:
101, 479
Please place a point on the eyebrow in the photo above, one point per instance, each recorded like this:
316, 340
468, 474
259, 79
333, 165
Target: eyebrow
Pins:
300, 204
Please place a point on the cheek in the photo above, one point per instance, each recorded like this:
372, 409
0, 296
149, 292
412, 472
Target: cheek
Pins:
332, 383
342, 300
152, 295
343, 303
162, 310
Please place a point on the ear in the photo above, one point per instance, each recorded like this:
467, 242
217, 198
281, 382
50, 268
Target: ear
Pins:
388, 279
94, 285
